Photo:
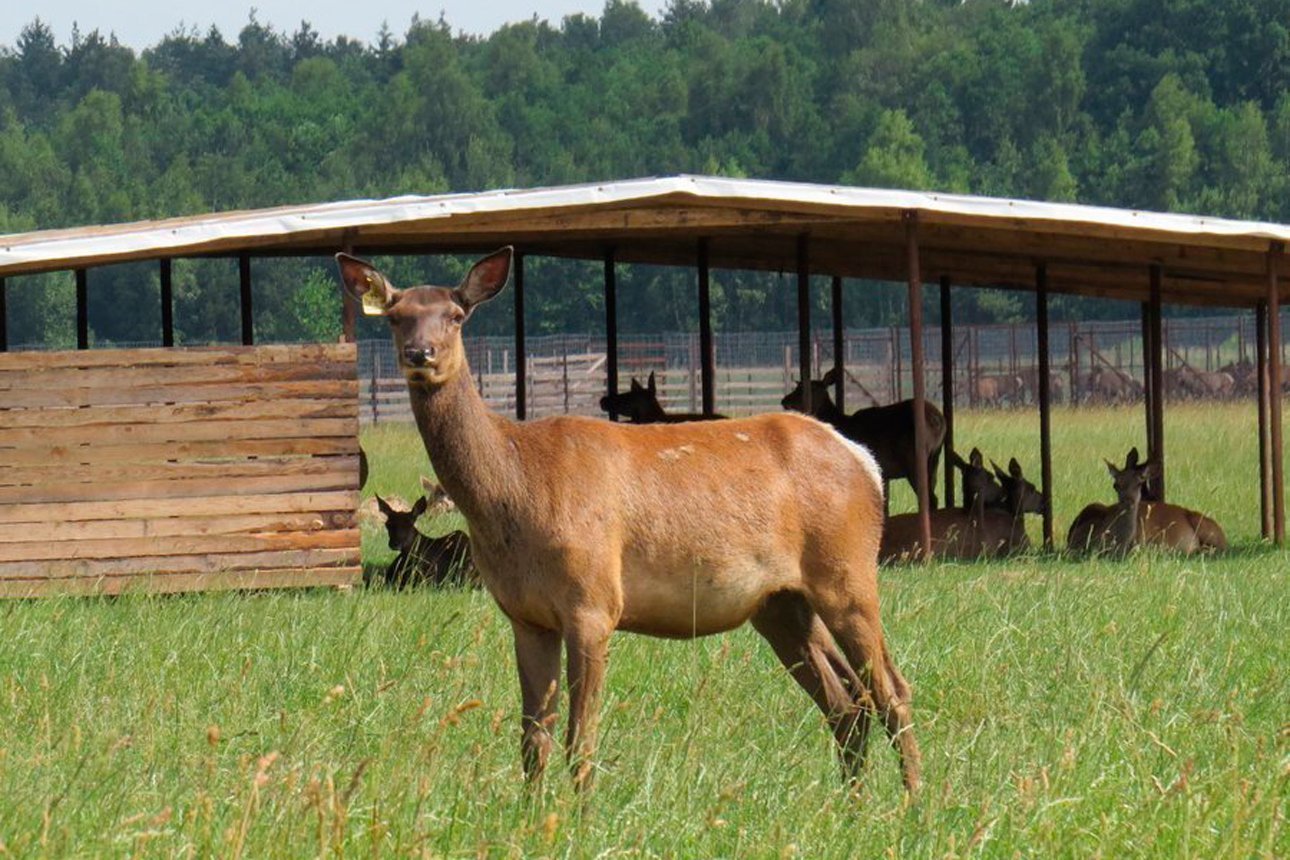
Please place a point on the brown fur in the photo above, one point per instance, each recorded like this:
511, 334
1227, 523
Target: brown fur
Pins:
581, 527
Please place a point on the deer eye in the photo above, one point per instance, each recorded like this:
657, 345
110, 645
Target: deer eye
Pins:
457, 318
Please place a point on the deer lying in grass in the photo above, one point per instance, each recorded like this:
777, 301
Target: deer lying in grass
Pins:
581, 527
640, 405
1113, 529
990, 524
887, 431
439, 561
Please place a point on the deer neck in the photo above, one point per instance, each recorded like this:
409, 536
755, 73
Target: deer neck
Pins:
469, 445
1122, 527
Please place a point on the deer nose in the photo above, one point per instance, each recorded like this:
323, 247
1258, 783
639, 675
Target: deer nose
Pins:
418, 356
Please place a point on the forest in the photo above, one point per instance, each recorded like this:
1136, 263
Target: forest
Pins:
1172, 105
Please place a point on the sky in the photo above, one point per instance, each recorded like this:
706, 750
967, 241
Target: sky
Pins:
143, 23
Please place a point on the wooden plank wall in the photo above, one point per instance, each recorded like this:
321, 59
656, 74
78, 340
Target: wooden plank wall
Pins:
178, 469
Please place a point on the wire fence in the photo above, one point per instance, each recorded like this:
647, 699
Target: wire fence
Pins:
993, 366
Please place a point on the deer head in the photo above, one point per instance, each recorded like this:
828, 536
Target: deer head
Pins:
820, 399
977, 483
1128, 481
401, 526
426, 321
1022, 496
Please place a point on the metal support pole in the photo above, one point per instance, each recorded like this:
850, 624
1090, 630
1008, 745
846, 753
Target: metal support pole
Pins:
1274, 397
611, 327
947, 385
1265, 462
916, 359
706, 362
1158, 386
521, 351
1148, 388
839, 360
167, 304
244, 280
82, 310
1045, 402
804, 320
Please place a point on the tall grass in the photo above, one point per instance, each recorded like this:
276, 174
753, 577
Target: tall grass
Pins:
1133, 708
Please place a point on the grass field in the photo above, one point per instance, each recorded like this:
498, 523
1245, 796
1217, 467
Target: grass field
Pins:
1134, 708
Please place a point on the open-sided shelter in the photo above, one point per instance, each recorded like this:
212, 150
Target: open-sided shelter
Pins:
705, 222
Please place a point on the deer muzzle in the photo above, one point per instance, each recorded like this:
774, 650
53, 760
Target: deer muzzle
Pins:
419, 356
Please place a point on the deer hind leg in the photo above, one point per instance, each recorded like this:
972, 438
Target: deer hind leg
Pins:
803, 644
859, 633
587, 643
537, 655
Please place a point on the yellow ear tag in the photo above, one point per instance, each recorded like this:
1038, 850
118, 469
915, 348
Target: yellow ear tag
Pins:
373, 299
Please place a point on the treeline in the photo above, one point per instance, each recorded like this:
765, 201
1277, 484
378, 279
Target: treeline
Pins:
1162, 104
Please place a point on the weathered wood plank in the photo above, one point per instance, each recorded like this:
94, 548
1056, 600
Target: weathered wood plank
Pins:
203, 563
140, 432
183, 376
33, 398
210, 505
180, 356
164, 451
177, 545
179, 525
340, 466
172, 489
174, 583
179, 413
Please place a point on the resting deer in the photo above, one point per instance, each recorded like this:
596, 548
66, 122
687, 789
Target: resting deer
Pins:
887, 431
581, 527
989, 525
1113, 529
640, 405
422, 559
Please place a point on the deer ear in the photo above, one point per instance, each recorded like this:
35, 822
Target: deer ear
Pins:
1014, 468
363, 282
1132, 459
485, 279
653, 385
419, 508
976, 459
636, 385
998, 473
1111, 467
384, 506
830, 377
956, 460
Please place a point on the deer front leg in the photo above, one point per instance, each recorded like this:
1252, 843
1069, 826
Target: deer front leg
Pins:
537, 655
587, 643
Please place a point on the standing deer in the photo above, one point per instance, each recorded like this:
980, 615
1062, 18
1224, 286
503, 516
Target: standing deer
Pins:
581, 527
887, 431
1113, 529
641, 406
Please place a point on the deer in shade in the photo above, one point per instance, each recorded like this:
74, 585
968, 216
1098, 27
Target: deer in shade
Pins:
422, 559
887, 431
582, 527
640, 405
990, 524
1113, 529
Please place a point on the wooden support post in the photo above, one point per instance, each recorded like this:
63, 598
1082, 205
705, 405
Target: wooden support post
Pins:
521, 350
706, 357
1045, 402
82, 310
167, 304
916, 360
1148, 388
1274, 398
1265, 462
839, 346
1157, 386
947, 386
348, 306
244, 281
804, 320
4, 320
611, 327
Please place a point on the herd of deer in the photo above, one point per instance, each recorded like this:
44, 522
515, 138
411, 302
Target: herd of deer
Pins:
676, 527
